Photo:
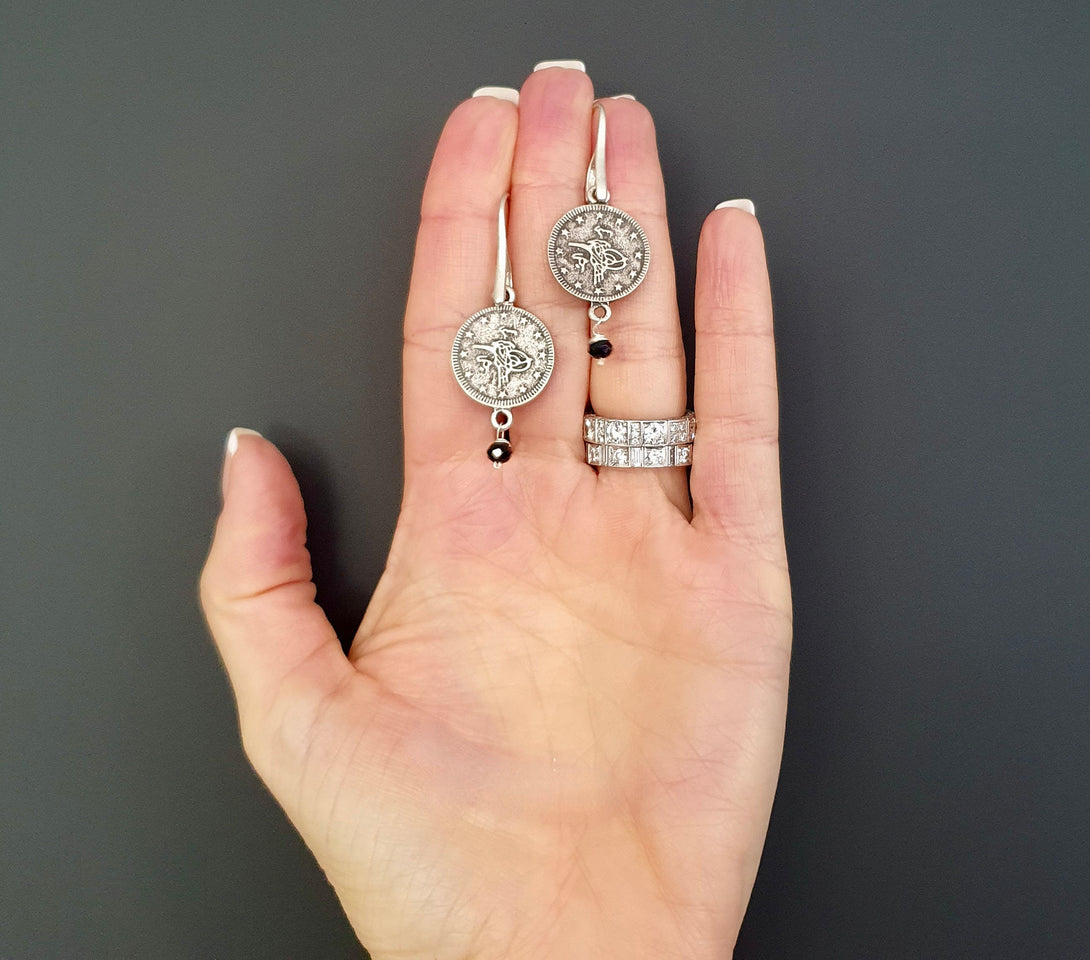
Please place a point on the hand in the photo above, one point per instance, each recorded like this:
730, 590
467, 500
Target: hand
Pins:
558, 730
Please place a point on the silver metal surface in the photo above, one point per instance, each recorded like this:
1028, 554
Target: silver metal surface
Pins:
635, 433
503, 287
639, 443
671, 455
598, 253
596, 190
502, 356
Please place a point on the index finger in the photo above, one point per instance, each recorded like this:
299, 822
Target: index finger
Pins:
452, 278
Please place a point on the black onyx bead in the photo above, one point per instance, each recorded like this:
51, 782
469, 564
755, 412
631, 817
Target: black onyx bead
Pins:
600, 349
499, 452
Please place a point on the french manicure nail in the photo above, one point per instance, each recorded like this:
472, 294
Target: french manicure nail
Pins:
564, 64
232, 438
746, 205
229, 453
622, 96
510, 94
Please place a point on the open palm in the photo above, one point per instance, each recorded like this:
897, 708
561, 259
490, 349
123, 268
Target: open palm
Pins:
558, 730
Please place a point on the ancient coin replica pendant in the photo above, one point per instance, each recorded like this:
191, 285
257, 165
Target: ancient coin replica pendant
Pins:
597, 252
502, 355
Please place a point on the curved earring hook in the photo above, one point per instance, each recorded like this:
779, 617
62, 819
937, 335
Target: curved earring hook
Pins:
503, 289
596, 191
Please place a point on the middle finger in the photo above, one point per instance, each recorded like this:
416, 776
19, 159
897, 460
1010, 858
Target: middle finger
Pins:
547, 176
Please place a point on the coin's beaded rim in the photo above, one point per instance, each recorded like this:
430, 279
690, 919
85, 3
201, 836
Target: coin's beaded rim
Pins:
470, 391
597, 207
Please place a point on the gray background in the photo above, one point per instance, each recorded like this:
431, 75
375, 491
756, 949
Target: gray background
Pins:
207, 213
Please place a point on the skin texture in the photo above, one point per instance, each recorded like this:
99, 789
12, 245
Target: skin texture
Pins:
559, 727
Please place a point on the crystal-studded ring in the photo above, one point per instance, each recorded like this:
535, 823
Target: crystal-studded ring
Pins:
639, 443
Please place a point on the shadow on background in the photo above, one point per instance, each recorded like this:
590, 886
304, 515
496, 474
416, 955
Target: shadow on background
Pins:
340, 592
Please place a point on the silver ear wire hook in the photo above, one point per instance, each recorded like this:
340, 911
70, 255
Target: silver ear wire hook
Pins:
503, 289
596, 191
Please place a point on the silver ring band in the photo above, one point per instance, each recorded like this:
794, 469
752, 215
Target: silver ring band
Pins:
639, 443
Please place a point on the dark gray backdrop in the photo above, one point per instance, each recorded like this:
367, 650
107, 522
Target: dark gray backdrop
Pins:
207, 212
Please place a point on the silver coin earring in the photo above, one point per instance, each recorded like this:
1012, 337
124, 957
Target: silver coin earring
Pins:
597, 252
502, 355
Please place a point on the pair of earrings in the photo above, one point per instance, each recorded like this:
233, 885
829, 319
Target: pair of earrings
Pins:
503, 355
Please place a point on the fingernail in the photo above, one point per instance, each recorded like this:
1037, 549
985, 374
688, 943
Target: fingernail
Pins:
622, 96
232, 438
510, 94
746, 205
563, 64
232, 448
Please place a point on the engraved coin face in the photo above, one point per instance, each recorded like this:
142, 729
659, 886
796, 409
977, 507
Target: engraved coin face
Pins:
502, 356
598, 253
